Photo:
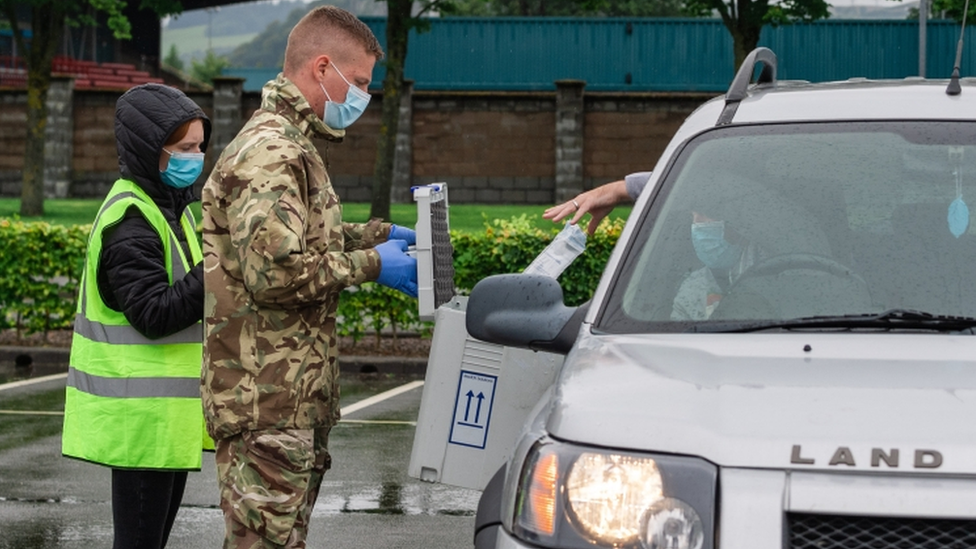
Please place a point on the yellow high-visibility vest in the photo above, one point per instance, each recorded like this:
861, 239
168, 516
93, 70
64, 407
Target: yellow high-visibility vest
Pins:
131, 401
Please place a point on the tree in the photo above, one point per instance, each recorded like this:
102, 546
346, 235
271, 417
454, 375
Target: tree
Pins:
953, 9
211, 66
47, 21
400, 20
745, 19
173, 60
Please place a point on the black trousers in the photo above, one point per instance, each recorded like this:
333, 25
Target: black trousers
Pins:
144, 506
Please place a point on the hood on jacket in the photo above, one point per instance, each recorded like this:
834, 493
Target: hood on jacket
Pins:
145, 117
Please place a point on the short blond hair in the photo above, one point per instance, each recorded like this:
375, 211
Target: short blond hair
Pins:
329, 30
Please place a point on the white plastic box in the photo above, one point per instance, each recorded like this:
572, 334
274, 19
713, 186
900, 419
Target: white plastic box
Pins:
477, 397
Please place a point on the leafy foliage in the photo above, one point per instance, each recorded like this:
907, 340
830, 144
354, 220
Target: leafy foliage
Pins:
173, 59
953, 9
48, 19
745, 19
212, 66
510, 246
371, 309
41, 266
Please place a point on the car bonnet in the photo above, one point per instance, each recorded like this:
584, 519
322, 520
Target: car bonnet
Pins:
788, 401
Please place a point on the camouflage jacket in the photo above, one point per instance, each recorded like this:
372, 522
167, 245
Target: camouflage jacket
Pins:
276, 257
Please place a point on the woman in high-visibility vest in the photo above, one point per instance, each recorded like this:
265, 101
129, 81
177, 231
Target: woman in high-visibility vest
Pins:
133, 397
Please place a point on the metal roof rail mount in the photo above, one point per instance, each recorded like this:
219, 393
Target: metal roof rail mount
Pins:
737, 91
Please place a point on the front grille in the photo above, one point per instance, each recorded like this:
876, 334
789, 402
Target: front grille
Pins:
808, 531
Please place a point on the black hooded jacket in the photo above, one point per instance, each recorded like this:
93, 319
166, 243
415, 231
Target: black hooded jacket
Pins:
132, 275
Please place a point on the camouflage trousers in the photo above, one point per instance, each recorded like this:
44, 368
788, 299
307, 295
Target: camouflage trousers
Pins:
269, 481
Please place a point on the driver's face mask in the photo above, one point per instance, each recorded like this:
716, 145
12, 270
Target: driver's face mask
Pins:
712, 249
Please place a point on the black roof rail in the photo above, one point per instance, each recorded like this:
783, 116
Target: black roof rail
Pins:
953, 88
740, 84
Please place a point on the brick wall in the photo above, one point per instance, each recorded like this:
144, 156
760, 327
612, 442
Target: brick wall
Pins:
627, 133
13, 123
94, 140
491, 147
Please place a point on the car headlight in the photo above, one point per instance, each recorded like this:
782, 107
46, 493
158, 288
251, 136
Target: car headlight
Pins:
571, 496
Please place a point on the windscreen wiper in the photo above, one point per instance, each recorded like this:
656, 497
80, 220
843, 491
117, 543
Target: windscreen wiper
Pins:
892, 319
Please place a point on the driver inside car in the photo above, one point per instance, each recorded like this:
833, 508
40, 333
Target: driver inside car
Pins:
725, 254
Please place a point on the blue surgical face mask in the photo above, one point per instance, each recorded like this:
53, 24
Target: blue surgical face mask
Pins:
711, 247
340, 116
183, 169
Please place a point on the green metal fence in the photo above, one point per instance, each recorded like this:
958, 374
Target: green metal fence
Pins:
659, 54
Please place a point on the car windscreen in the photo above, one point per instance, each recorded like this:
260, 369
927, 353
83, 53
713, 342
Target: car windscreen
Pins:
764, 225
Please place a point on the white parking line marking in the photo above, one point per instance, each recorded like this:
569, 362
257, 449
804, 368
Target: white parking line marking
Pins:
352, 408
367, 402
377, 422
26, 382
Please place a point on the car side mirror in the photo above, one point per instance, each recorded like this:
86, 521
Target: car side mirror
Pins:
526, 311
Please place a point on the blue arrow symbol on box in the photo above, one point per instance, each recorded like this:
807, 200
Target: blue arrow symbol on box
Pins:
467, 407
477, 413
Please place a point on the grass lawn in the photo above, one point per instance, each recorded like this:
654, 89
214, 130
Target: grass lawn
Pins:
463, 217
57, 212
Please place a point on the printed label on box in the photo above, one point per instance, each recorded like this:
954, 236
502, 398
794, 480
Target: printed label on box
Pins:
472, 409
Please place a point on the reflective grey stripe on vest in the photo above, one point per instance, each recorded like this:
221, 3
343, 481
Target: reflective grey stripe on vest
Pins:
190, 220
179, 270
111, 201
138, 387
127, 335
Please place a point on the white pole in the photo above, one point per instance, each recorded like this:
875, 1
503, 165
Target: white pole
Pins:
923, 13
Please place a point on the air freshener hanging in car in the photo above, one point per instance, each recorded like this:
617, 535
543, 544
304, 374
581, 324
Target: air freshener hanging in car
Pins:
958, 217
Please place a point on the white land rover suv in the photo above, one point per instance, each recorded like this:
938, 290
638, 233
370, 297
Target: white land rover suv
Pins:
780, 352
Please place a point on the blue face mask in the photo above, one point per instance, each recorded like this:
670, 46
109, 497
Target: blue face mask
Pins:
183, 169
340, 116
711, 247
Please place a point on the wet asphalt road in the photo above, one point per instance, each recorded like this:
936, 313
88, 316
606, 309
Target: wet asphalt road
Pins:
367, 499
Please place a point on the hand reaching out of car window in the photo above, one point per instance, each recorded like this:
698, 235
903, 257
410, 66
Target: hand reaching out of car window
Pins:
598, 202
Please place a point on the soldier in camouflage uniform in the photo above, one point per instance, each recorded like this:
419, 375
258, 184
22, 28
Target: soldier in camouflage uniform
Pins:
276, 257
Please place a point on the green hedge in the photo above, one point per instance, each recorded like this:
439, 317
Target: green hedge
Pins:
41, 264
510, 246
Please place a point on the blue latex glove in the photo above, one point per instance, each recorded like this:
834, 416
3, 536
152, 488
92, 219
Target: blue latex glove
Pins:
397, 269
402, 233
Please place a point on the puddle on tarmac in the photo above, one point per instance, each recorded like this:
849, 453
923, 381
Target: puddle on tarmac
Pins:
410, 499
11, 371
